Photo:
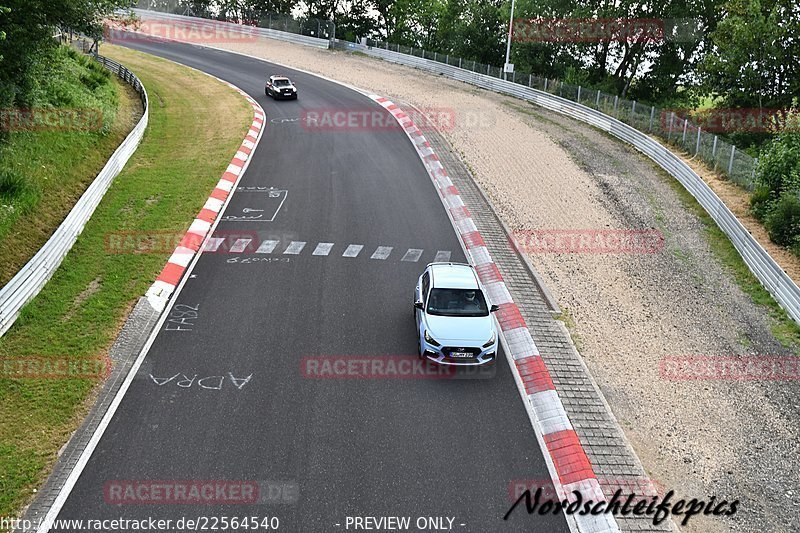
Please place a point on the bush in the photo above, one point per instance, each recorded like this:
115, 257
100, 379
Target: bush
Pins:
783, 220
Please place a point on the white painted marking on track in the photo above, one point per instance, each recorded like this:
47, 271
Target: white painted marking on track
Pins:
240, 245
413, 255
382, 252
213, 244
353, 250
295, 247
267, 247
442, 256
323, 248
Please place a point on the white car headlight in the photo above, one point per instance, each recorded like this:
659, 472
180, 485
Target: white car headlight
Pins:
430, 339
491, 340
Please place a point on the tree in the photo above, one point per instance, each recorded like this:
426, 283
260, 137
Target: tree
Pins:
29, 26
754, 61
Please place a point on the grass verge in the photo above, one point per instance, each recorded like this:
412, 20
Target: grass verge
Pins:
196, 125
44, 168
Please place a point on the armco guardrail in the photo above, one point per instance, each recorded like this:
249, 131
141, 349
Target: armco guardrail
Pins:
768, 272
32, 277
147, 14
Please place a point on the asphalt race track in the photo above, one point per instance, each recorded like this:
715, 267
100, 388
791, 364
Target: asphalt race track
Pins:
319, 449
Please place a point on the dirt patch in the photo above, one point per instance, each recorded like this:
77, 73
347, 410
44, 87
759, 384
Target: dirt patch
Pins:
84, 295
731, 440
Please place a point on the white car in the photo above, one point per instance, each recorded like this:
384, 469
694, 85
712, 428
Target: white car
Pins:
455, 325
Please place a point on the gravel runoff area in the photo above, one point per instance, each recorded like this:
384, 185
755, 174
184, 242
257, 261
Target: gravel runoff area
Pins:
703, 438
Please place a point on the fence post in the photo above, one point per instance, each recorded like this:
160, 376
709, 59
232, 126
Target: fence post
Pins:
487, 70
652, 114
671, 120
597, 102
730, 163
633, 107
514, 77
412, 51
270, 21
459, 62
616, 102
436, 56
579, 94
685, 123
697, 144
545, 84
530, 79
447, 58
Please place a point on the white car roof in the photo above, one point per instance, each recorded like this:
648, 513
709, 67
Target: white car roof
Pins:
453, 276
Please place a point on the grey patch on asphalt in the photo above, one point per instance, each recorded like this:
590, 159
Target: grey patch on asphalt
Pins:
382, 252
442, 256
240, 245
267, 247
123, 353
295, 247
413, 254
323, 248
353, 250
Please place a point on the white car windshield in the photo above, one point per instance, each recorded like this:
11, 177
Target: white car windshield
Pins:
457, 302
282, 83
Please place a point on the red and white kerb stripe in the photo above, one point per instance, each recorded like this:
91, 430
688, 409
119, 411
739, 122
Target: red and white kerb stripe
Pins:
170, 276
569, 466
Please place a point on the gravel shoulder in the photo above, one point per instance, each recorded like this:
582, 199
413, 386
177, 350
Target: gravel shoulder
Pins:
728, 439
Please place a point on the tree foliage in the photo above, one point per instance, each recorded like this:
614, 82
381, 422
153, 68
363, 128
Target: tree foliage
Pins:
29, 27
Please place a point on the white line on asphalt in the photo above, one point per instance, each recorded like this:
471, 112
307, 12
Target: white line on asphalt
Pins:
213, 244
240, 245
413, 254
267, 247
323, 248
295, 247
442, 256
353, 250
382, 252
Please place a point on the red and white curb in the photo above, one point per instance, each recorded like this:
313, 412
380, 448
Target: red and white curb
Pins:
201, 227
569, 466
